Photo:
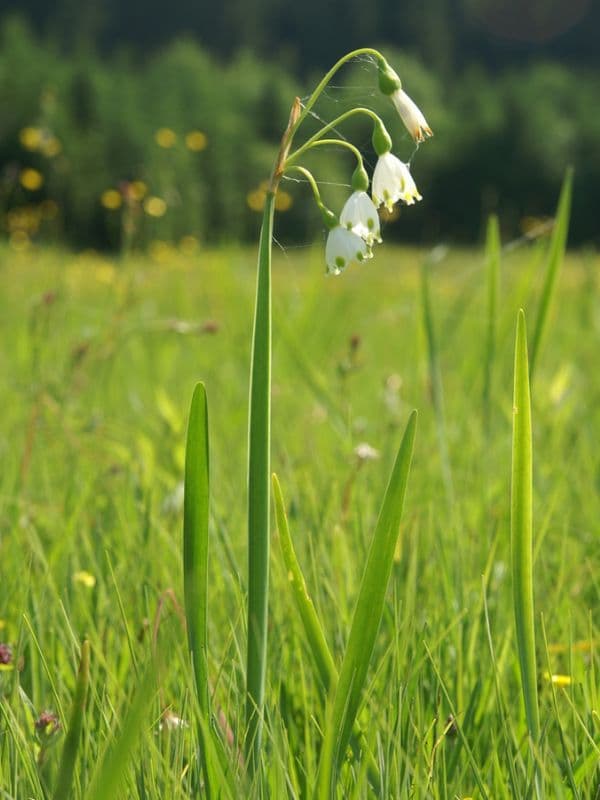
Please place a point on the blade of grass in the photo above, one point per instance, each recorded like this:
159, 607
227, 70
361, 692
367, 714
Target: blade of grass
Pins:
492, 261
521, 530
109, 775
259, 457
367, 615
556, 255
195, 558
68, 759
435, 380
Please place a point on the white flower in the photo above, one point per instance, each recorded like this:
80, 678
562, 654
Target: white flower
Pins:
360, 216
411, 116
392, 181
343, 247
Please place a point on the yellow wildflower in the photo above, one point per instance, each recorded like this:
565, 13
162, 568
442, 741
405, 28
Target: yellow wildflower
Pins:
165, 137
84, 578
111, 199
31, 179
155, 206
196, 141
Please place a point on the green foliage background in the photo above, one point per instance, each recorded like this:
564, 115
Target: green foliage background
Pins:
503, 139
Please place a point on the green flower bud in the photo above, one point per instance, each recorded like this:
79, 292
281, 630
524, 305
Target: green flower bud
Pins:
360, 179
389, 82
382, 141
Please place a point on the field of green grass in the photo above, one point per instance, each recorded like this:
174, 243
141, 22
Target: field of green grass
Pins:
98, 363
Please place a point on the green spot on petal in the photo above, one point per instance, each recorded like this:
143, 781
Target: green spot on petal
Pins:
340, 262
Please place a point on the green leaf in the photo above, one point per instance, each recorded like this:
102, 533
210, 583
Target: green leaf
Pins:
108, 777
521, 531
556, 255
310, 621
195, 542
68, 759
367, 615
492, 261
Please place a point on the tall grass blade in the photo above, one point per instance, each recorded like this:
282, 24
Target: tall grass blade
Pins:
521, 532
556, 255
367, 614
110, 773
492, 262
195, 556
64, 781
259, 457
435, 380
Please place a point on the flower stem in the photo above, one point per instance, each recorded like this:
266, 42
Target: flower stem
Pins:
259, 438
330, 126
362, 51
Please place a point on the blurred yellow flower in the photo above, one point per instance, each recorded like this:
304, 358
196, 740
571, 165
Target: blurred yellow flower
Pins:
155, 206
188, 245
111, 199
84, 578
19, 241
138, 190
283, 201
196, 141
30, 137
31, 179
256, 199
558, 680
165, 137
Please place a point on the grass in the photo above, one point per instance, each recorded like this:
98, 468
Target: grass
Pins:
99, 365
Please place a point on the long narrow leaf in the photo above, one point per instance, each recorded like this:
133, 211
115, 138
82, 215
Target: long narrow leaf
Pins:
64, 781
310, 621
521, 529
492, 262
259, 458
367, 614
109, 775
195, 561
195, 542
556, 255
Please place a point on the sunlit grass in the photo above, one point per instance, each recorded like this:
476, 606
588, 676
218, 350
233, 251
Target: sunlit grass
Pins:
99, 365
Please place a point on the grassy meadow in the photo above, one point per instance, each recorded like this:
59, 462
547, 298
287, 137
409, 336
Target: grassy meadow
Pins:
98, 363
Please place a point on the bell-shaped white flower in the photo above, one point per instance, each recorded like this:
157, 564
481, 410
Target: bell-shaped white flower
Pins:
359, 215
342, 248
411, 116
392, 181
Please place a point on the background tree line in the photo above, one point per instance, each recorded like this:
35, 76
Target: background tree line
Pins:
509, 116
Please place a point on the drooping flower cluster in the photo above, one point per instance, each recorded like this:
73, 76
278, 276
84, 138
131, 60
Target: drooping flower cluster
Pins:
353, 234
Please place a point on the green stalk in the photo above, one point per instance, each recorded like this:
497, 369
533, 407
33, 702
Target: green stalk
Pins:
521, 529
556, 256
195, 557
64, 780
367, 617
492, 260
259, 477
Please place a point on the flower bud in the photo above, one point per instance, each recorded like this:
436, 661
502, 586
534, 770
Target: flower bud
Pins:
382, 141
389, 82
